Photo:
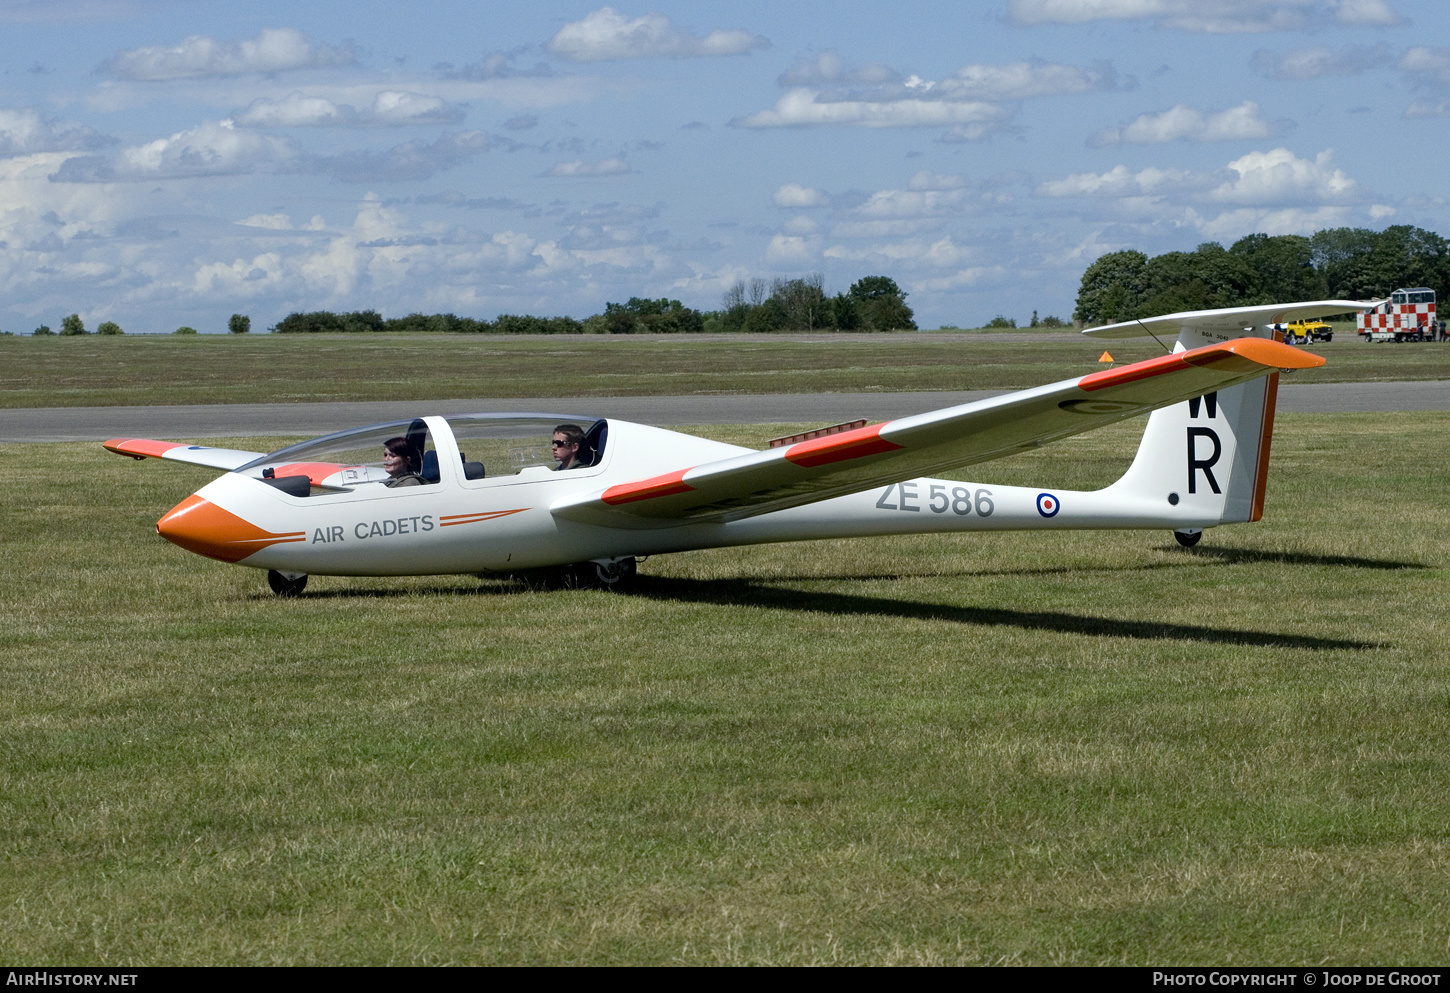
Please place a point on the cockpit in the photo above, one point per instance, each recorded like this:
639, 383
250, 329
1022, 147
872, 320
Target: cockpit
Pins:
472, 450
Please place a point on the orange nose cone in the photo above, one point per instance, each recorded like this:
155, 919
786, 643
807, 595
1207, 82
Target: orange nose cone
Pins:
200, 526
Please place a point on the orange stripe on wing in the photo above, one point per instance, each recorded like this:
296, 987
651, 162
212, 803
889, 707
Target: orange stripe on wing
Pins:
839, 447
647, 489
141, 447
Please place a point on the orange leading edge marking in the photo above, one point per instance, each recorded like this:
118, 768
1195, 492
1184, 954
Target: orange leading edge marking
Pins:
141, 447
656, 486
1249, 351
840, 447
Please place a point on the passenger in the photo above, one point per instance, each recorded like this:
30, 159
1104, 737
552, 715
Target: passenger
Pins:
402, 462
568, 439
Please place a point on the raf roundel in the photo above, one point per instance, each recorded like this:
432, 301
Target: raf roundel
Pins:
1048, 505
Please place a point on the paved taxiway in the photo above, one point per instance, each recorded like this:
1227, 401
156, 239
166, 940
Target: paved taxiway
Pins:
186, 422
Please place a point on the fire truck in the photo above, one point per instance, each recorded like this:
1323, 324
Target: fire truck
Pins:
1408, 315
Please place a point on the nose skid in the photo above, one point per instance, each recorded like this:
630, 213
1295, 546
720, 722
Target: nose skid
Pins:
198, 525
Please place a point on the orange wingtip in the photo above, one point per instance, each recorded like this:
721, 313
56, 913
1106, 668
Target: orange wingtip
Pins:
840, 447
647, 489
141, 447
1243, 353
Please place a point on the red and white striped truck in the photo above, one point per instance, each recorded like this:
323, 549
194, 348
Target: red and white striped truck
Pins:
1408, 315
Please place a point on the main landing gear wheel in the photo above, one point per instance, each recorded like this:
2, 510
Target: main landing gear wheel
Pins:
611, 574
286, 583
614, 574
1188, 537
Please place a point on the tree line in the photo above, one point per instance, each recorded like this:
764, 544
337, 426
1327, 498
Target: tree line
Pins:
1335, 264
73, 325
875, 303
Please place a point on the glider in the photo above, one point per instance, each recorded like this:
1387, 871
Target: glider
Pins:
491, 494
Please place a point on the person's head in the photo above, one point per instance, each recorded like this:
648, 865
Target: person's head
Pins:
399, 457
567, 439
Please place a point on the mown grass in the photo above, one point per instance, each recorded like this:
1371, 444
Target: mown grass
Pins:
1016, 748
101, 371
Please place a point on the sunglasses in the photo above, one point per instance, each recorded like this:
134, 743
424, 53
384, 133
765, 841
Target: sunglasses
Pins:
561, 444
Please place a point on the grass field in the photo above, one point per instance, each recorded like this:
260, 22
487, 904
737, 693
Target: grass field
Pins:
1034, 748
100, 371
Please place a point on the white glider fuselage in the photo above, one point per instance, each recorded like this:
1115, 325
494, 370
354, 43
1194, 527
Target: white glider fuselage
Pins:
332, 506
467, 526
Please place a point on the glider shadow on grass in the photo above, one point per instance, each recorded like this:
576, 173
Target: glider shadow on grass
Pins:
1233, 556
737, 592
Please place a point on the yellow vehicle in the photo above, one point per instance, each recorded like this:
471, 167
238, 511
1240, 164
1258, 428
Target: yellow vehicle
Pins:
1303, 332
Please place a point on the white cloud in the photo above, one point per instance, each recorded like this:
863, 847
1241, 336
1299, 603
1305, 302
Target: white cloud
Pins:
925, 180
272, 222
792, 248
1279, 177
1203, 16
1120, 182
912, 203
1431, 64
25, 132
390, 108
972, 102
1020, 80
1379, 211
273, 50
1371, 12
795, 196
1311, 63
241, 278
942, 253
1426, 108
1292, 220
964, 279
409, 160
606, 167
1191, 124
829, 67
1258, 178
214, 148
802, 108
800, 224
607, 35
902, 228
969, 132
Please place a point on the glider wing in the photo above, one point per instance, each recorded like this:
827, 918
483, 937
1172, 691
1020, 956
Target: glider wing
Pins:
925, 444
1230, 321
216, 458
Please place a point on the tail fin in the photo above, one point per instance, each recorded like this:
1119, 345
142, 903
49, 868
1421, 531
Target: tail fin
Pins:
1209, 456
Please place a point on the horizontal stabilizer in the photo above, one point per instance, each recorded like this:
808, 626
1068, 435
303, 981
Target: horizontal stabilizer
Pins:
925, 444
1229, 322
176, 451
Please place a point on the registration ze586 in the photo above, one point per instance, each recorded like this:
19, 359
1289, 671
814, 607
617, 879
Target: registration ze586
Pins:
939, 498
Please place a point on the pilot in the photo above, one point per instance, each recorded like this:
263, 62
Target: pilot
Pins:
568, 439
401, 462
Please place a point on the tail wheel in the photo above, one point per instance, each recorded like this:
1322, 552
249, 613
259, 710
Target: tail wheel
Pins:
286, 584
1189, 537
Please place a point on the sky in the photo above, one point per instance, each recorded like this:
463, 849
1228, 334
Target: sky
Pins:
172, 163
